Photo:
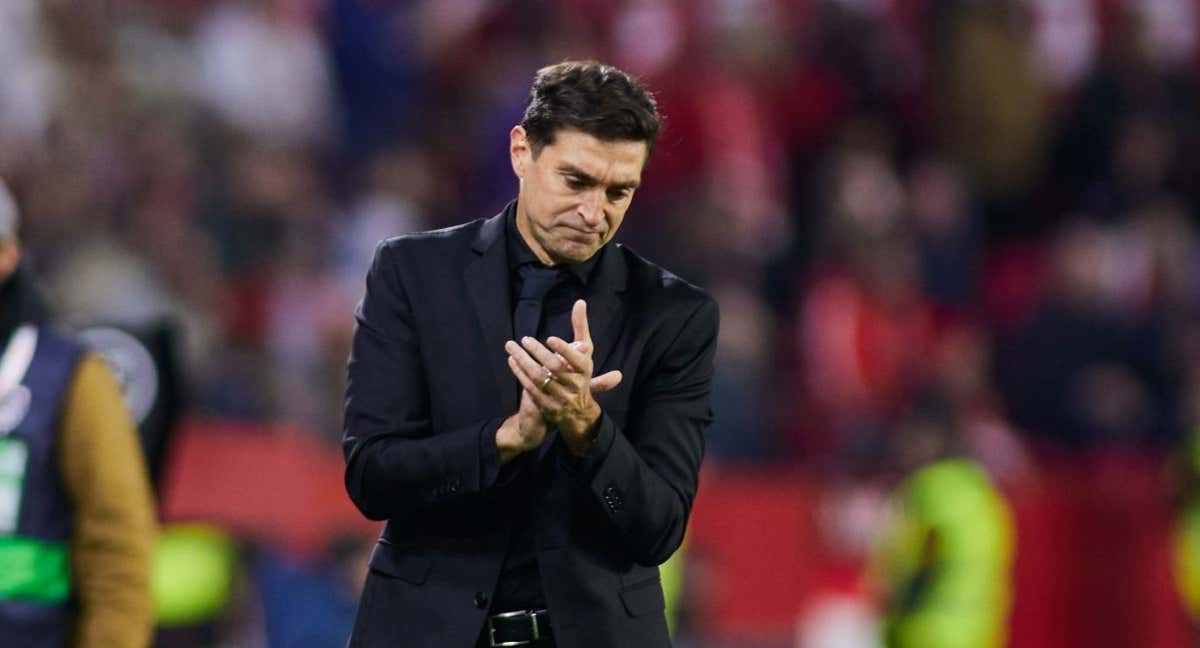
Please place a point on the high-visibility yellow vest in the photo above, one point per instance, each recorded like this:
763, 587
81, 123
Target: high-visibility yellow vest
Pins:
946, 560
194, 566
672, 584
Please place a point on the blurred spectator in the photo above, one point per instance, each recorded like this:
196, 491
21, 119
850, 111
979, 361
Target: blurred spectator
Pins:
376, 71
944, 561
948, 234
28, 90
1067, 37
993, 105
263, 68
1089, 367
76, 507
739, 392
865, 325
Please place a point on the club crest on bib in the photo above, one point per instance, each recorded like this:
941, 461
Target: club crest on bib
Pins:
131, 364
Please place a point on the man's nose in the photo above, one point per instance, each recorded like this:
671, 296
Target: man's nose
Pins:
591, 208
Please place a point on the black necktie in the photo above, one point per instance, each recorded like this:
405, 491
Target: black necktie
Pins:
536, 282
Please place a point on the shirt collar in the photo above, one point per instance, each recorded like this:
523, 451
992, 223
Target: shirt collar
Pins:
519, 253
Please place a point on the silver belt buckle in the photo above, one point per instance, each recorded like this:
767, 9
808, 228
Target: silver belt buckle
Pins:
511, 615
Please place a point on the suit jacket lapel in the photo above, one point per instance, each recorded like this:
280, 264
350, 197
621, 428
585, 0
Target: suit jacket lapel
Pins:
488, 283
606, 313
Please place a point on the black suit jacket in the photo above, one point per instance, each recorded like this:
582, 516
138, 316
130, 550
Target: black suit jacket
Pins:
429, 386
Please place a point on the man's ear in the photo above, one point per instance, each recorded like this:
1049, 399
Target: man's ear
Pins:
10, 256
518, 150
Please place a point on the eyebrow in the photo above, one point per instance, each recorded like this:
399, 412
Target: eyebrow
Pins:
571, 169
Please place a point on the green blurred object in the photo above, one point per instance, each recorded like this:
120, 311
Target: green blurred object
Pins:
194, 566
32, 570
947, 559
1187, 557
1194, 451
1186, 535
672, 584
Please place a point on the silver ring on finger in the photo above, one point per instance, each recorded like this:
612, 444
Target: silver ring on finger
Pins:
547, 379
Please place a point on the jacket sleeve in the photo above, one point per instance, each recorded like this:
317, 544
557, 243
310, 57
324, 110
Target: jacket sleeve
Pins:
395, 461
644, 476
104, 473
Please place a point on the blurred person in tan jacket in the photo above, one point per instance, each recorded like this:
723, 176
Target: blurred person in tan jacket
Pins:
77, 523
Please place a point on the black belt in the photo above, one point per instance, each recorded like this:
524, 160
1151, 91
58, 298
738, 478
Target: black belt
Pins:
518, 628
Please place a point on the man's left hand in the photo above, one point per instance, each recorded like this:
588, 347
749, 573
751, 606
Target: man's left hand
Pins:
559, 380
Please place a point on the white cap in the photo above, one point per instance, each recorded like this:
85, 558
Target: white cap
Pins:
8, 213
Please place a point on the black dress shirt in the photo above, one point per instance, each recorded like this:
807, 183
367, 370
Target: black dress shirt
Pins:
519, 586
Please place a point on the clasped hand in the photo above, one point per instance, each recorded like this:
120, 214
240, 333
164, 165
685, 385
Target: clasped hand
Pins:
557, 389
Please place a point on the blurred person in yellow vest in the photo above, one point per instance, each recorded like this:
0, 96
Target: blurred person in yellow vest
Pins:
195, 566
77, 522
1186, 534
945, 561
672, 574
1187, 558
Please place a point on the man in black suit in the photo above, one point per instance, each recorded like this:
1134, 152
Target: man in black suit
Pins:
527, 402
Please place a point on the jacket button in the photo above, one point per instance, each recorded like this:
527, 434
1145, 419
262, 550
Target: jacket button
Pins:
481, 600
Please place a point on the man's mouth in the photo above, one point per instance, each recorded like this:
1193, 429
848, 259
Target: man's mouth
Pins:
579, 236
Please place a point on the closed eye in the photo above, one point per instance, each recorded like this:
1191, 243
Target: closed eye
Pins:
617, 195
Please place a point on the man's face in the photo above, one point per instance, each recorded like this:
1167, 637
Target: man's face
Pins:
574, 193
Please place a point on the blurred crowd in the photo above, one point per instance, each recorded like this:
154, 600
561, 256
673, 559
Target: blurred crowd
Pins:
934, 226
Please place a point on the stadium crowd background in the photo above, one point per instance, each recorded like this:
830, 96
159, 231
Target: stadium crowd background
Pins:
931, 225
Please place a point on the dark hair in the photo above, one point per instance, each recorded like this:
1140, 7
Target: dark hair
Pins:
591, 97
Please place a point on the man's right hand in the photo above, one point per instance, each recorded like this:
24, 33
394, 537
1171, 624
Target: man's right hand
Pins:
526, 429
522, 431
